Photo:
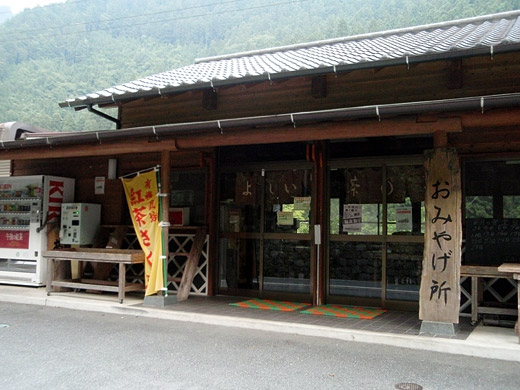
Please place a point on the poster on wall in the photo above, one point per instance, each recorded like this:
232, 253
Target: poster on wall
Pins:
302, 203
403, 219
99, 185
284, 218
352, 217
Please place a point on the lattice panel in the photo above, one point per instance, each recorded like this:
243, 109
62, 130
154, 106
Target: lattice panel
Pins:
179, 246
465, 296
500, 290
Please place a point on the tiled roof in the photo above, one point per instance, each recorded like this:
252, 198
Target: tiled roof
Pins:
487, 34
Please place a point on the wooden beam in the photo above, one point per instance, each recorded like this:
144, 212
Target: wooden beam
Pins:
312, 132
324, 131
494, 140
105, 149
493, 118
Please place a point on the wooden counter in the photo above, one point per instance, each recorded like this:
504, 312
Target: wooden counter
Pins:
122, 257
476, 272
515, 270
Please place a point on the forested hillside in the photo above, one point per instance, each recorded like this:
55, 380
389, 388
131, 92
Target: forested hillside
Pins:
52, 53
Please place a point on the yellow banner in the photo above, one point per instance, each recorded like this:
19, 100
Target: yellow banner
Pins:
142, 197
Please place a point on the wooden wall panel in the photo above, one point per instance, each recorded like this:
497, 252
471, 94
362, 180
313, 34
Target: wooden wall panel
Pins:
424, 81
85, 169
486, 140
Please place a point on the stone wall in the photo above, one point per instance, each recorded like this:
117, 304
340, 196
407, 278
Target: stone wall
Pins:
362, 261
287, 259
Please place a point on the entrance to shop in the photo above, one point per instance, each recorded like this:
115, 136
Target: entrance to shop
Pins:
376, 241
265, 243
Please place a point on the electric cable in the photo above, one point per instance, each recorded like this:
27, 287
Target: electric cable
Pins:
152, 22
116, 19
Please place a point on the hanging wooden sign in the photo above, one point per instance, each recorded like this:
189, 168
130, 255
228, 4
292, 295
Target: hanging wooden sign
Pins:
440, 282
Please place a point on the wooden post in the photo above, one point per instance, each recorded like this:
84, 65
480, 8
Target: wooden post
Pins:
211, 215
165, 189
320, 174
440, 282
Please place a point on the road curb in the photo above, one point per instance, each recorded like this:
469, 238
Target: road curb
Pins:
473, 346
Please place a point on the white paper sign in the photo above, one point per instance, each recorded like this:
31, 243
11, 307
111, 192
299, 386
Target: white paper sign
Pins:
352, 217
99, 185
284, 218
403, 219
302, 202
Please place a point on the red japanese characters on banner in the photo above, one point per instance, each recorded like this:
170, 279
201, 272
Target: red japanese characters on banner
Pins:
142, 198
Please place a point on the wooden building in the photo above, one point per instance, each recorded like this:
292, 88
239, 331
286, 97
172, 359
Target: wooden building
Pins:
345, 171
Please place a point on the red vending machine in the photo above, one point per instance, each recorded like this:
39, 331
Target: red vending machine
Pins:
28, 204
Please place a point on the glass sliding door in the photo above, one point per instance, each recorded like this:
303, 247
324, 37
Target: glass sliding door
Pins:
287, 246
240, 230
376, 231
265, 242
355, 249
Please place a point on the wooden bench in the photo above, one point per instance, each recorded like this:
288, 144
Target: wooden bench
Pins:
122, 257
515, 270
476, 272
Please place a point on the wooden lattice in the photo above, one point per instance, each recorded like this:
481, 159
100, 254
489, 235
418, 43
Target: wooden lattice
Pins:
179, 246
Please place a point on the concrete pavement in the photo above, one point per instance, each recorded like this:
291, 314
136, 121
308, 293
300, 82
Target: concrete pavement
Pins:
484, 341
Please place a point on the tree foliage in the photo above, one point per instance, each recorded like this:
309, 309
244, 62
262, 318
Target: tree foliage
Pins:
49, 54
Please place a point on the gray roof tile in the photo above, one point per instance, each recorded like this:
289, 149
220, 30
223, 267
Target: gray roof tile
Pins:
457, 38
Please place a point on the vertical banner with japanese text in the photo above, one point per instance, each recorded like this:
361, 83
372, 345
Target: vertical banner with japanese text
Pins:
142, 197
440, 281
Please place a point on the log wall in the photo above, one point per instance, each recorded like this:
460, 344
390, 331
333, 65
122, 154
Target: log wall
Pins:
397, 84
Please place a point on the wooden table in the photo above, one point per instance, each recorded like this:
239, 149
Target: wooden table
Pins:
122, 257
476, 272
515, 270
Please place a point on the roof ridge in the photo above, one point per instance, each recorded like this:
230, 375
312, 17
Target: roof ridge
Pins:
305, 45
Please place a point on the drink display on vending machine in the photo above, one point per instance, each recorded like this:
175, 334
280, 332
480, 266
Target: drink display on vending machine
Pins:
28, 206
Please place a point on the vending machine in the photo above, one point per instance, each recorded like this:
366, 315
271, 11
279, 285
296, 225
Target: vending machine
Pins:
29, 205
79, 223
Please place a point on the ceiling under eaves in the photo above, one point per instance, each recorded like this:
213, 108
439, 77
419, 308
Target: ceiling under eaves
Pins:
487, 34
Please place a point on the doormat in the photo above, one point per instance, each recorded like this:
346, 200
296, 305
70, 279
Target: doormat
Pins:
364, 313
266, 304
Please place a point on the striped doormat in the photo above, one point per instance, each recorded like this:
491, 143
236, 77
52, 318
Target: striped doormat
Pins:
365, 313
266, 304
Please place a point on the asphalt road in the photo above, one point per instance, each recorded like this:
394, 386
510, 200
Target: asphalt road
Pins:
46, 348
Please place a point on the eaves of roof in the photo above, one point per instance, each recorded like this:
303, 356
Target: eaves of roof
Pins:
486, 35
380, 112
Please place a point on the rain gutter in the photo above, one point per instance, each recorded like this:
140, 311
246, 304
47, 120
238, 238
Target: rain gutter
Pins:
479, 103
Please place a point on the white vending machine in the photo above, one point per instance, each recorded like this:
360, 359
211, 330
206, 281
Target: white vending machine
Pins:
28, 206
79, 223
